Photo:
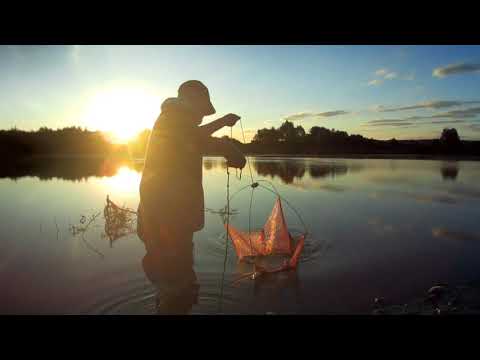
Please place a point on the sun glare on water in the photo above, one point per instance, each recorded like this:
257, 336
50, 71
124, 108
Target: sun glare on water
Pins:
124, 184
121, 113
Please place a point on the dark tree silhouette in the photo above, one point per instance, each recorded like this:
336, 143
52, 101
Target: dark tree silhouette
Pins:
267, 136
287, 132
287, 139
450, 137
66, 141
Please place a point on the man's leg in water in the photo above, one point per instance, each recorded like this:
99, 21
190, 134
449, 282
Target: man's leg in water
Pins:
169, 266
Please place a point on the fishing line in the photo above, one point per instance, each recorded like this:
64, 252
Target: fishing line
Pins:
226, 242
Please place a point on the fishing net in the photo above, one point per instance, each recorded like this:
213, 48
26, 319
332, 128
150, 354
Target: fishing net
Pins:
273, 239
119, 221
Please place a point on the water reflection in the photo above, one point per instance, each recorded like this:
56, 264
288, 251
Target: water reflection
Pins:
358, 243
273, 292
271, 282
126, 180
419, 197
449, 171
289, 171
82, 168
327, 170
210, 163
64, 168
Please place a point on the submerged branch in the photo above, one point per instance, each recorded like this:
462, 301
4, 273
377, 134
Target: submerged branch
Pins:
83, 228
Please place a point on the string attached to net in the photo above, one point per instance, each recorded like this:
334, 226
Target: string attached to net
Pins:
253, 185
227, 222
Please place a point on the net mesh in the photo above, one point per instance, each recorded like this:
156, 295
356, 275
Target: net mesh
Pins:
119, 221
273, 239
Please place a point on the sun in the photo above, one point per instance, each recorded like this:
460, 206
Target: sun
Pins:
121, 112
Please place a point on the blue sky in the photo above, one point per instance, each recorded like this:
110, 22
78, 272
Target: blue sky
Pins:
359, 89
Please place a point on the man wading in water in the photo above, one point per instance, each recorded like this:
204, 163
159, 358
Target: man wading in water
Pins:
171, 205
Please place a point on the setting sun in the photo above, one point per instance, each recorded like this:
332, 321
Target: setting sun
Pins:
121, 113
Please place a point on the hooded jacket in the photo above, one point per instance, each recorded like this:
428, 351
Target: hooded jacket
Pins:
171, 192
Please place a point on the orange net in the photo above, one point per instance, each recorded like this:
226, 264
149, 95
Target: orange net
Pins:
273, 239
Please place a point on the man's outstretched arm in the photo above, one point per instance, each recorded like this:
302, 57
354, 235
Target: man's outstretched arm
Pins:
227, 120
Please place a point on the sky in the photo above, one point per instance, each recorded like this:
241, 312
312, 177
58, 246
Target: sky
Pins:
383, 92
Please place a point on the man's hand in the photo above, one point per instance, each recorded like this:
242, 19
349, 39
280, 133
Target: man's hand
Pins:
235, 158
237, 161
230, 119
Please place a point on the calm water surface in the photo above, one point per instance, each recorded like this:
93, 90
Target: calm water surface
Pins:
387, 228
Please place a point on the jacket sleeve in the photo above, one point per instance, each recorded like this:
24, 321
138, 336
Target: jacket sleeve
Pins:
222, 147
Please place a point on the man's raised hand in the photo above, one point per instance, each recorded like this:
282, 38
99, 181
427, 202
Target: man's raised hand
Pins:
230, 119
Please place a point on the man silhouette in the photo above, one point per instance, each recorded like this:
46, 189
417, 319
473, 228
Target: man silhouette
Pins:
171, 205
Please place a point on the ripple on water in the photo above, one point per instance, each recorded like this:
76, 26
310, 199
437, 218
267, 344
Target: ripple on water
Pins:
137, 296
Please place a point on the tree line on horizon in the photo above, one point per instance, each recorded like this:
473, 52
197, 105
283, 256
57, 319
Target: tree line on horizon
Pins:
291, 139
286, 139
45, 141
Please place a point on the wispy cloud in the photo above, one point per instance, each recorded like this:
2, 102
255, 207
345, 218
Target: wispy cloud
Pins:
381, 72
386, 74
375, 82
389, 123
332, 113
376, 108
394, 121
386, 121
448, 121
305, 115
464, 114
454, 117
440, 104
391, 75
453, 69
299, 116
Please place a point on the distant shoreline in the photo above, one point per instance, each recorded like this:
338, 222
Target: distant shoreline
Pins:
376, 156
314, 156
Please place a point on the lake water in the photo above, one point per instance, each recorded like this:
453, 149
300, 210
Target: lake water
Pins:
389, 228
